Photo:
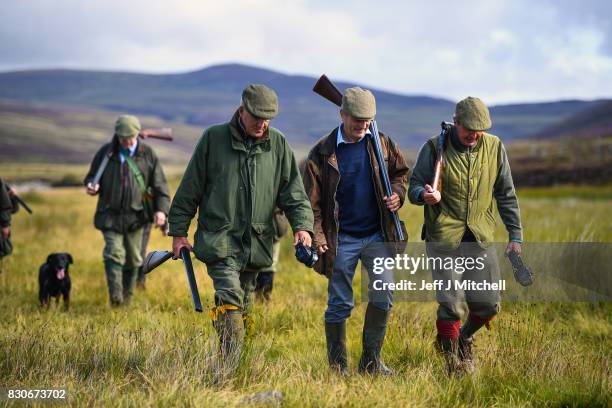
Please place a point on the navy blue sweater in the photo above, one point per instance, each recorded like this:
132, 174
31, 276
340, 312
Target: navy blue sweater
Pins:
359, 215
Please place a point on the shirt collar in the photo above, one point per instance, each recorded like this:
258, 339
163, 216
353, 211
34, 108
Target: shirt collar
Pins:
131, 150
340, 139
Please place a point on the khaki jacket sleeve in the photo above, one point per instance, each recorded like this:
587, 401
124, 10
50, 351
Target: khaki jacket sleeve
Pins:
507, 202
422, 174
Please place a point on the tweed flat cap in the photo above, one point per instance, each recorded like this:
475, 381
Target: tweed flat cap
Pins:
473, 114
127, 126
359, 103
260, 101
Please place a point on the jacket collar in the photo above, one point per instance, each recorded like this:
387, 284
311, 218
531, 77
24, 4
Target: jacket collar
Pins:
328, 146
240, 139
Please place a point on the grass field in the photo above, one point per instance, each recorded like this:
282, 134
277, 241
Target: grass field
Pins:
159, 352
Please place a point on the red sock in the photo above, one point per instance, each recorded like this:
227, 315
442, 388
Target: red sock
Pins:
448, 328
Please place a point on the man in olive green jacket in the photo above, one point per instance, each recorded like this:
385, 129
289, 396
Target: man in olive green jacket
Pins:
132, 192
239, 172
459, 222
8, 206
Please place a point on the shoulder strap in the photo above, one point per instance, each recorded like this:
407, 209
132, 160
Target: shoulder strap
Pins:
137, 174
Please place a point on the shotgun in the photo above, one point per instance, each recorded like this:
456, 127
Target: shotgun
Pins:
162, 133
329, 91
18, 200
195, 294
156, 258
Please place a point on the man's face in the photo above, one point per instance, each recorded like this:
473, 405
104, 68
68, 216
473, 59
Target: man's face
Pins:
468, 137
254, 127
128, 142
354, 129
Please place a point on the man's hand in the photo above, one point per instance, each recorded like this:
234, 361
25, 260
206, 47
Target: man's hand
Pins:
430, 196
92, 189
393, 202
323, 248
6, 232
159, 218
177, 244
304, 236
12, 192
513, 247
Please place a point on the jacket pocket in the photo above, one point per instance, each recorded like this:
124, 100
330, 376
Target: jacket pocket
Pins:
261, 245
436, 232
211, 242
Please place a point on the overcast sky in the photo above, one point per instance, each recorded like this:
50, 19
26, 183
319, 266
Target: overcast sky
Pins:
502, 51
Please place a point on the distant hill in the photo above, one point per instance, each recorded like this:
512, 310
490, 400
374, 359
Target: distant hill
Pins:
64, 135
576, 150
201, 98
590, 123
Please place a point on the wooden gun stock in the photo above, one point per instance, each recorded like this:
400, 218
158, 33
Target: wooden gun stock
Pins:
436, 183
328, 90
162, 133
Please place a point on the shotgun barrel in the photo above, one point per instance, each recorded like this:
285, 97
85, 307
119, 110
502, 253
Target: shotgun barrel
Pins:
195, 295
19, 200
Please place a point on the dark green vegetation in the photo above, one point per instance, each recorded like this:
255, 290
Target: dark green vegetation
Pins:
161, 353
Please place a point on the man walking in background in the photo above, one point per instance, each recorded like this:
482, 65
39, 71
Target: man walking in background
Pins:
132, 192
239, 172
8, 206
459, 222
352, 220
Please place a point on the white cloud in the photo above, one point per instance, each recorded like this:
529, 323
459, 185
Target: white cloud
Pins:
501, 51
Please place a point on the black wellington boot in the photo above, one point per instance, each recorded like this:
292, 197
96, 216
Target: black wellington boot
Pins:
335, 334
374, 329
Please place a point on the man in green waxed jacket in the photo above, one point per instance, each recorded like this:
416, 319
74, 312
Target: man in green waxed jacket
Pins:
460, 223
132, 192
239, 172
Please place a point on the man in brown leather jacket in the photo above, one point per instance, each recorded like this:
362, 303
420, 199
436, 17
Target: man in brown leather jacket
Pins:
353, 218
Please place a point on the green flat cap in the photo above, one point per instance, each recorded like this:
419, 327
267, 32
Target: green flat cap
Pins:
127, 126
359, 103
473, 114
260, 101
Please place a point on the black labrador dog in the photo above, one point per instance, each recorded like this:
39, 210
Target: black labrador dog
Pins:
53, 279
